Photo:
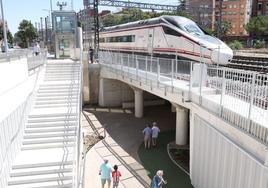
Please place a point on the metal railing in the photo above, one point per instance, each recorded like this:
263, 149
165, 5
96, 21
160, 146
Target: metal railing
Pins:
12, 126
78, 161
239, 97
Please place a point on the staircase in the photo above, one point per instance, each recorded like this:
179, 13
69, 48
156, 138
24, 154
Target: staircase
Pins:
48, 153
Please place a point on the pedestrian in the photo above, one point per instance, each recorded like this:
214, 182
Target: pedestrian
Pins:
158, 179
147, 133
155, 131
105, 173
91, 54
116, 175
36, 49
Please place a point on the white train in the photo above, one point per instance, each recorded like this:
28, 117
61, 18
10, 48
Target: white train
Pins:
166, 36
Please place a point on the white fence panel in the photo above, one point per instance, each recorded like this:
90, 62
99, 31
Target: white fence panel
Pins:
220, 163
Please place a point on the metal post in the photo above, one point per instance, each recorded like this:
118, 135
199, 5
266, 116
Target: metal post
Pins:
42, 31
128, 64
158, 72
217, 69
191, 81
201, 73
172, 73
4, 27
51, 5
121, 59
136, 67
251, 98
222, 91
146, 67
46, 31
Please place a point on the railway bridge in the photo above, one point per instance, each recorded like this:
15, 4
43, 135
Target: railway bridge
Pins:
221, 113
227, 129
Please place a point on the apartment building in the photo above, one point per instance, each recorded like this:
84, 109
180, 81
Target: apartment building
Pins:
260, 7
237, 12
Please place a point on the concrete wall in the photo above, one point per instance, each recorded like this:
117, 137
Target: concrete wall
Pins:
114, 93
216, 161
16, 95
94, 76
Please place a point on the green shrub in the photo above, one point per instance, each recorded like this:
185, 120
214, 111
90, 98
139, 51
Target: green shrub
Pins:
236, 45
259, 44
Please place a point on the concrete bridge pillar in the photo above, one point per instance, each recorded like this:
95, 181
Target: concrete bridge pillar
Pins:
182, 116
138, 102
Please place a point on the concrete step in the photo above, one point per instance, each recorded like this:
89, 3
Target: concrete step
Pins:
41, 170
47, 141
52, 119
53, 184
56, 105
59, 88
56, 98
49, 102
57, 95
59, 79
49, 129
56, 85
58, 91
49, 135
41, 165
47, 146
51, 124
62, 76
41, 179
52, 115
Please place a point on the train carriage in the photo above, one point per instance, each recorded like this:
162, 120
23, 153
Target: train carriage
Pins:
166, 36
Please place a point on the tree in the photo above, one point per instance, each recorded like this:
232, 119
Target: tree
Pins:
225, 28
26, 34
134, 14
9, 35
257, 26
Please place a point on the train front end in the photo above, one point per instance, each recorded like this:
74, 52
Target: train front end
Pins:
220, 52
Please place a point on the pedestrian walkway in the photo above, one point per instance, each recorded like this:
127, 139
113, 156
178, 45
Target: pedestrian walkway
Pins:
124, 146
112, 151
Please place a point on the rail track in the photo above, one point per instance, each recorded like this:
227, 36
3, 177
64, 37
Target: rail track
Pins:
258, 64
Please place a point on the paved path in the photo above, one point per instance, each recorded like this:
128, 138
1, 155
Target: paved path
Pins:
123, 135
101, 150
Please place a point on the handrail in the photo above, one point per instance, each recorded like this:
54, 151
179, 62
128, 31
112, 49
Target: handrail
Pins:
76, 167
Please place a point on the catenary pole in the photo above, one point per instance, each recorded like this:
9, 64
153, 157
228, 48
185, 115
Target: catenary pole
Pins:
4, 27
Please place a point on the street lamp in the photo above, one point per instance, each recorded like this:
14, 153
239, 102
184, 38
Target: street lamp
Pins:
4, 26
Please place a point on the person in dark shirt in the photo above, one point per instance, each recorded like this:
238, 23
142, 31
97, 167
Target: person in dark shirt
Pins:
91, 54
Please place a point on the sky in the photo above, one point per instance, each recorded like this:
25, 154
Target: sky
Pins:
17, 10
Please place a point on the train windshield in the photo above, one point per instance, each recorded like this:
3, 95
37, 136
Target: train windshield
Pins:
192, 28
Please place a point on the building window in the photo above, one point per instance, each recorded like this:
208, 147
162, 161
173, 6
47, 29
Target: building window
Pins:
234, 6
259, 6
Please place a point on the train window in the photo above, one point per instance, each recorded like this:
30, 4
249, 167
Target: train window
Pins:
127, 38
102, 40
170, 31
172, 21
191, 28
